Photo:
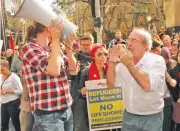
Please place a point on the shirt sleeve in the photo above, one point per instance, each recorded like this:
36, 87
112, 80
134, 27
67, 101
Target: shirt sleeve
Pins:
156, 74
35, 56
17, 85
111, 43
83, 78
167, 75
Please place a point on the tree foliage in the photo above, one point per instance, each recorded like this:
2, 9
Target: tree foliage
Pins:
17, 25
65, 5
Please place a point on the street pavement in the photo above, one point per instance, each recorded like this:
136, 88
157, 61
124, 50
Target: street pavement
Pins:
11, 127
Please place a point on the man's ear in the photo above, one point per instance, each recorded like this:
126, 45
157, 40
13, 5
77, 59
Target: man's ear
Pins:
146, 47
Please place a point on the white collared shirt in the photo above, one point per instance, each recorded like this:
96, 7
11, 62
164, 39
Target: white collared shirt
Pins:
136, 99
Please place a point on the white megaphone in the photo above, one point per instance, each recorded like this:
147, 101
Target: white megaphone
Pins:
39, 11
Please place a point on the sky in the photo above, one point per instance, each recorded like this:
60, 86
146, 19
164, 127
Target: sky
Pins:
8, 5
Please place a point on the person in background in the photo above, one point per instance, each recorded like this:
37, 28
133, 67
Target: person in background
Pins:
117, 38
142, 77
156, 37
16, 64
161, 33
9, 56
3, 54
11, 89
97, 70
175, 74
168, 108
167, 42
170, 63
16, 50
156, 48
45, 76
174, 48
83, 58
176, 36
167, 121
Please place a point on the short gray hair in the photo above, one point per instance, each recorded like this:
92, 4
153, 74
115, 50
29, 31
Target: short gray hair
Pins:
147, 36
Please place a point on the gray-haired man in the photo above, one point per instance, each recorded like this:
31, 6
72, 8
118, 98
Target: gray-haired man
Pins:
142, 77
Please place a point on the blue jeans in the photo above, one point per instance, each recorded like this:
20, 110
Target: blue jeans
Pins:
61, 120
133, 122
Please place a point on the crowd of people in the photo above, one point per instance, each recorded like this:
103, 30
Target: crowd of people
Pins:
43, 80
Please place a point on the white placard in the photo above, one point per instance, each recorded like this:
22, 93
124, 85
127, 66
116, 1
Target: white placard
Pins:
95, 84
105, 106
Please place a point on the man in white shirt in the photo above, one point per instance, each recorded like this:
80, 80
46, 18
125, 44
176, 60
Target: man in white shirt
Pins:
142, 77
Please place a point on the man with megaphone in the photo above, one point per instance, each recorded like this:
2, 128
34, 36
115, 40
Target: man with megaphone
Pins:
46, 78
45, 69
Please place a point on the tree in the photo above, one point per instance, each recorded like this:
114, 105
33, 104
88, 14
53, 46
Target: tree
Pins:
83, 17
16, 25
64, 5
140, 11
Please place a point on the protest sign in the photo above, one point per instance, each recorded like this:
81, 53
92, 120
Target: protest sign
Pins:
105, 107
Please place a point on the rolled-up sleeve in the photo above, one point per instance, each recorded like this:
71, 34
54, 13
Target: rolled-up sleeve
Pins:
156, 73
35, 56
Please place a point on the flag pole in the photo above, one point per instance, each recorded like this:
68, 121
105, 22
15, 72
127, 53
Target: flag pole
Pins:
2, 9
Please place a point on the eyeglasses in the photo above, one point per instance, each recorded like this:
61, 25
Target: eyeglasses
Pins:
86, 45
100, 54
